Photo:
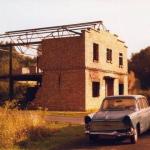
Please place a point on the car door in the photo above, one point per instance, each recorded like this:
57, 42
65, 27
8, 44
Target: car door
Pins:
147, 112
142, 116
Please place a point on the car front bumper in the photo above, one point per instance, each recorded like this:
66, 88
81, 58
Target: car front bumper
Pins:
111, 134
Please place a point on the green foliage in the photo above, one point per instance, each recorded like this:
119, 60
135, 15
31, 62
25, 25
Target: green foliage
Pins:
4, 64
3, 91
19, 61
140, 64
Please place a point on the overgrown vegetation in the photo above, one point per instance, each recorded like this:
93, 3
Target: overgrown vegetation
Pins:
62, 136
29, 130
19, 61
140, 65
17, 126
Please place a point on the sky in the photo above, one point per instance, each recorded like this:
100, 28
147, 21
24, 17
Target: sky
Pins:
130, 19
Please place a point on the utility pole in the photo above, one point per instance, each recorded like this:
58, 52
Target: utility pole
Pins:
11, 89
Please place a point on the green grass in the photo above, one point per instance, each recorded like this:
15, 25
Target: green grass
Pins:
62, 113
67, 113
62, 135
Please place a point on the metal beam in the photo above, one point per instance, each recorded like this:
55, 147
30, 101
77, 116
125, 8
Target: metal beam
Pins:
58, 27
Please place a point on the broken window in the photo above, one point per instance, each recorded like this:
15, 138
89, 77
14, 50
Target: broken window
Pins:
120, 60
95, 89
95, 52
109, 56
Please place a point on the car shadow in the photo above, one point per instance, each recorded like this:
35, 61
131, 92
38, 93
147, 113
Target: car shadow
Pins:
84, 142
145, 135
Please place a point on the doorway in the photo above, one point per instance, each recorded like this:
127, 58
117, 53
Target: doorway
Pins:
109, 84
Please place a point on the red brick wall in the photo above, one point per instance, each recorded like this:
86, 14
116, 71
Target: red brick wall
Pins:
62, 53
63, 85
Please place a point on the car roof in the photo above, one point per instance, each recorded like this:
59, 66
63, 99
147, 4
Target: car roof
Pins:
125, 96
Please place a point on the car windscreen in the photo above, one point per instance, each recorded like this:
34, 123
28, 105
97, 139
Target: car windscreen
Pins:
119, 104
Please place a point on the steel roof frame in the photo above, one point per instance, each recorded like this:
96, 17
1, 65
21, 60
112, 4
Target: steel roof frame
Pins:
36, 35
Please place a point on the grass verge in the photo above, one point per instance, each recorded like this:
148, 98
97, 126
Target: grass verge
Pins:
63, 135
67, 113
27, 130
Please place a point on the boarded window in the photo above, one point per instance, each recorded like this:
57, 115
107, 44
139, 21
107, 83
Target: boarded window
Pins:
95, 89
120, 60
109, 56
95, 52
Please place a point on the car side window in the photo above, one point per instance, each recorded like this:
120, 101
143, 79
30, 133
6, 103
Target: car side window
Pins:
145, 103
140, 103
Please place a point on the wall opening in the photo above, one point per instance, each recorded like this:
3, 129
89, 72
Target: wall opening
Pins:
121, 89
109, 82
95, 52
109, 56
95, 89
120, 60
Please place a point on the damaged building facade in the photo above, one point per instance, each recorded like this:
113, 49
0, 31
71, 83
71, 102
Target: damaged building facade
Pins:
79, 71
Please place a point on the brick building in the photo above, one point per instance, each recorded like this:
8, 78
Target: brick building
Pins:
79, 71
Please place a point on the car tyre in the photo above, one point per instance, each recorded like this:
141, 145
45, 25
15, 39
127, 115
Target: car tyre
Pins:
134, 137
92, 138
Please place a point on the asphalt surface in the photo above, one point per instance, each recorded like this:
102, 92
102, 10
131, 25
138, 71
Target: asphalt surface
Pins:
84, 144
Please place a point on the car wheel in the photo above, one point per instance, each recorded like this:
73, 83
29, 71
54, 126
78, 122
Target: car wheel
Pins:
93, 138
134, 137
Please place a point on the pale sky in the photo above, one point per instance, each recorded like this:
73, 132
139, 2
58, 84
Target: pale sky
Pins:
130, 19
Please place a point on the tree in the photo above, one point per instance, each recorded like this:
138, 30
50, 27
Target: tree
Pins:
18, 62
140, 64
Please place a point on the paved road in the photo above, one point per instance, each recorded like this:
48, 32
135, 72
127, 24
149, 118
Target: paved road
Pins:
84, 144
76, 120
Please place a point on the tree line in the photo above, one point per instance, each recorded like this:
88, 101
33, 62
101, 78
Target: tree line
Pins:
140, 65
18, 61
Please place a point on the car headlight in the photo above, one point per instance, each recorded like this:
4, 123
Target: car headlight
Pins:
87, 119
127, 121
